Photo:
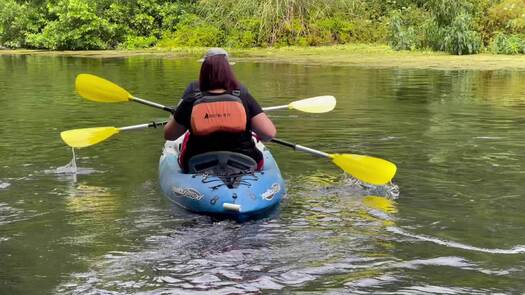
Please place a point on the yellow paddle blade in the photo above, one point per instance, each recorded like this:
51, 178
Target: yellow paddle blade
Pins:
368, 169
101, 90
79, 138
319, 104
380, 203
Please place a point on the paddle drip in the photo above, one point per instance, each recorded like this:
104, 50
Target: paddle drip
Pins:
4, 185
69, 168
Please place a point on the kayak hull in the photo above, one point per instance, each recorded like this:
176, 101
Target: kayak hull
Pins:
257, 193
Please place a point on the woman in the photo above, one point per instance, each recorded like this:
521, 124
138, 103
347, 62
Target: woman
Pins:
219, 113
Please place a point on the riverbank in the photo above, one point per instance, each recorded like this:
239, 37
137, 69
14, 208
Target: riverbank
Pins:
372, 56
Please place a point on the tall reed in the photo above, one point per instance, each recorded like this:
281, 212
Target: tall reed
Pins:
275, 17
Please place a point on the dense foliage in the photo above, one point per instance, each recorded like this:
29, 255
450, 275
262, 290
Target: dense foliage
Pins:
457, 27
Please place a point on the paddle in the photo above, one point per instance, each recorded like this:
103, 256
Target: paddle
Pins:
109, 92
368, 169
318, 104
101, 90
79, 138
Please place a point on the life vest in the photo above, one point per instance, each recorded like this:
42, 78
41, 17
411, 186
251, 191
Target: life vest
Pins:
218, 113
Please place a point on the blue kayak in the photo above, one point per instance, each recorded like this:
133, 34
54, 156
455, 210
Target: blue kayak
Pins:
222, 184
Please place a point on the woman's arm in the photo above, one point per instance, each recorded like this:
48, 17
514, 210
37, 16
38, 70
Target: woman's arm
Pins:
173, 130
263, 127
177, 122
260, 123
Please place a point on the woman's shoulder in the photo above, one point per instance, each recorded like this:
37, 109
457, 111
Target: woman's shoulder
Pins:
193, 86
191, 89
244, 90
242, 87
245, 93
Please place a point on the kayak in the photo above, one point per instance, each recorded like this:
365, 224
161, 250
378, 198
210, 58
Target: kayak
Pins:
222, 184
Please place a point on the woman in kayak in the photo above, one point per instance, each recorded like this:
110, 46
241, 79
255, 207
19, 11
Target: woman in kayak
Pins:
219, 113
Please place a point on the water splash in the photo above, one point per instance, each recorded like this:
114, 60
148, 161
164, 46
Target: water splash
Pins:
389, 191
519, 249
69, 168
344, 185
4, 185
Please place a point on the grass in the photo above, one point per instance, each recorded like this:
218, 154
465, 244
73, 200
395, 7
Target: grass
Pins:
360, 55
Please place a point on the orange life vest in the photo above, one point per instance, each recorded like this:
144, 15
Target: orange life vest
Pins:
218, 113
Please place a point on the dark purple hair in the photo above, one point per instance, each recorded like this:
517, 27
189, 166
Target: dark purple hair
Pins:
216, 73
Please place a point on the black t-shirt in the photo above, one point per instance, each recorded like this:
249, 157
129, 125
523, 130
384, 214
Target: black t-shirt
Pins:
218, 141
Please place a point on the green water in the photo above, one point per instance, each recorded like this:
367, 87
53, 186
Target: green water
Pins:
456, 226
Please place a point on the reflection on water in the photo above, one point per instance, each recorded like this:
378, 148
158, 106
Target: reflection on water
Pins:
451, 223
380, 203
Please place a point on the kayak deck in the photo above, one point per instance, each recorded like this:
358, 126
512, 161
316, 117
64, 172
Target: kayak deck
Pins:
255, 193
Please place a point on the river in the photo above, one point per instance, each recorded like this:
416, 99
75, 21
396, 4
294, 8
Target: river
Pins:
451, 223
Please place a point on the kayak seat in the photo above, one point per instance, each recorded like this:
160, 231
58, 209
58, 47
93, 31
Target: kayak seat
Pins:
221, 163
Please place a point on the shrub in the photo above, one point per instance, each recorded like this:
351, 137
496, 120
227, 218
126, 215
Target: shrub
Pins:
340, 30
245, 34
321, 32
305, 22
171, 14
135, 18
193, 31
292, 32
432, 35
446, 11
410, 28
459, 38
138, 42
16, 22
77, 26
508, 44
401, 37
337, 29
369, 31
507, 16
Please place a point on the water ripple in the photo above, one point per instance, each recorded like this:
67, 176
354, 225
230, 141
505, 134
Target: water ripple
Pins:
225, 257
4, 185
519, 249
9, 214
